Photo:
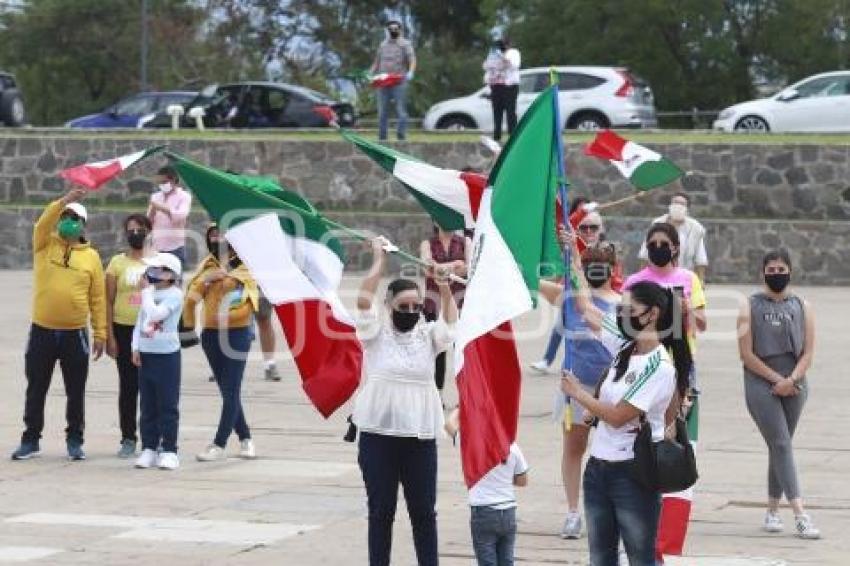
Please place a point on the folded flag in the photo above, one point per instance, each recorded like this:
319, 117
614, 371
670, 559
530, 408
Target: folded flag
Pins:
298, 265
385, 80
645, 168
515, 238
450, 197
93, 175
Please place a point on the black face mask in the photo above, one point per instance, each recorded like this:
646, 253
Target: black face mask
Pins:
634, 324
659, 256
777, 282
395, 34
597, 274
136, 240
405, 321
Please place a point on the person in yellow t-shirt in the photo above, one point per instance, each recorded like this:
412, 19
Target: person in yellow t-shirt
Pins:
123, 298
68, 292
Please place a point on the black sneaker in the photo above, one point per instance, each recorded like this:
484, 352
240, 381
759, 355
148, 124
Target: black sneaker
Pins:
75, 450
26, 451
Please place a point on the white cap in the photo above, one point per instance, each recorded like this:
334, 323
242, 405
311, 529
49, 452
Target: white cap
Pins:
78, 209
166, 260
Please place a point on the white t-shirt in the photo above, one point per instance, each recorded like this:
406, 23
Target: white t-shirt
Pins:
512, 69
648, 385
399, 396
496, 488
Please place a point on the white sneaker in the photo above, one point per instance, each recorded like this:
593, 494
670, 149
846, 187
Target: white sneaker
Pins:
211, 454
572, 526
146, 459
772, 522
805, 528
541, 367
168, 461
247, 450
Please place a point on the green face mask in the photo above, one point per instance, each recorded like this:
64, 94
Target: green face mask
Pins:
69, 229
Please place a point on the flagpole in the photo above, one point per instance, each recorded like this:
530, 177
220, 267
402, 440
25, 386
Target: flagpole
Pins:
563, 185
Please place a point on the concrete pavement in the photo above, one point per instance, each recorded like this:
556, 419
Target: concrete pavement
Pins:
302, 502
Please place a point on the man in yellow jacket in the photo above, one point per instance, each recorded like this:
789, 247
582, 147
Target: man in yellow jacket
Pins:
68, 293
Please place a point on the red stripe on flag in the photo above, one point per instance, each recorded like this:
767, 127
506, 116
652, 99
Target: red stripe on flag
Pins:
489, 390
91, 177
606, 145
327, 352
475, 183
672, 526
385, 80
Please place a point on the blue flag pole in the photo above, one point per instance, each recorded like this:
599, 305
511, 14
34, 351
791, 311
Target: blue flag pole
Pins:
563, 191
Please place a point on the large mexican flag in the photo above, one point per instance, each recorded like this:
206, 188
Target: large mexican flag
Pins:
515, 237
298, 264
643, 167
449, 196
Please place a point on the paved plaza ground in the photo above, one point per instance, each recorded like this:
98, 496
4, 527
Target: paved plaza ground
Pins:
303, 503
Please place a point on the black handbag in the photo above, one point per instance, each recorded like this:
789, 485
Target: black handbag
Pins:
667, 465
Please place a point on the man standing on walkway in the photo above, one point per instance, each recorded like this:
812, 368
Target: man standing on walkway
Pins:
502, 74
68, 292
692, 253
168, 210
395, 56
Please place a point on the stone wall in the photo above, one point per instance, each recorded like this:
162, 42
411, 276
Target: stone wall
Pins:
751, 197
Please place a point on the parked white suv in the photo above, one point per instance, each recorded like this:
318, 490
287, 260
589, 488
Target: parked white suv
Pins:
820, 103
590, 98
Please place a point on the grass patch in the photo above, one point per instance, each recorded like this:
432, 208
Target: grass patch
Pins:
326, 135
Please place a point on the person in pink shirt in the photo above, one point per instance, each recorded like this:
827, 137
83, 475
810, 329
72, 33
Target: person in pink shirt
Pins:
168, 211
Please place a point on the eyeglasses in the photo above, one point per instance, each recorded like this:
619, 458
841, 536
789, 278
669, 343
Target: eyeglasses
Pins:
408, 307
589, 227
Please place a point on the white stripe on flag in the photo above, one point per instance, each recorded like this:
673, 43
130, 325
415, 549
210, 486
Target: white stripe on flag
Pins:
442, 185
634, 156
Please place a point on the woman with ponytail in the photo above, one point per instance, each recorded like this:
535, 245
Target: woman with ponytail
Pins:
648, 378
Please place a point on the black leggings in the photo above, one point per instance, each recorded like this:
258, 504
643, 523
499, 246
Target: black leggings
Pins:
440, 362
128, 382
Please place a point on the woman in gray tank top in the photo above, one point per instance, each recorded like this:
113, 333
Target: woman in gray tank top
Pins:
776, 342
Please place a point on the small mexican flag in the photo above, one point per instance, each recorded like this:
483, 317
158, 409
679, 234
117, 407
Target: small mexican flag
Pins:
515, 239
93, 175
450, 197
646, 169
298, 265
385, 80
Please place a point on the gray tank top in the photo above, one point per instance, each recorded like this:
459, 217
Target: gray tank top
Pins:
779, 332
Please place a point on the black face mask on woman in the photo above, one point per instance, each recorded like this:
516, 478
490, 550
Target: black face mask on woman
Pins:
630, 326
659, 256
777, 282
404, 321
136, 239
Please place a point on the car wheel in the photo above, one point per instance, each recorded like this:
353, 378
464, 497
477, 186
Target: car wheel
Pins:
456, 122
588, 121
12, 110
752, 125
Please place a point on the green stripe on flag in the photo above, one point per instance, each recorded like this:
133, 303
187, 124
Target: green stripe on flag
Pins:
654, 174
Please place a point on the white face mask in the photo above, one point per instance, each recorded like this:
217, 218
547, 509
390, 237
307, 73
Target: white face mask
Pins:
166, 187
678, 212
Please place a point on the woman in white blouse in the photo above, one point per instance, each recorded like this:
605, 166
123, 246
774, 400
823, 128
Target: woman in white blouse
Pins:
398, 409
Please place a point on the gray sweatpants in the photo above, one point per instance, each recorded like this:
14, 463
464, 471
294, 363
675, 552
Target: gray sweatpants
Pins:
776, 418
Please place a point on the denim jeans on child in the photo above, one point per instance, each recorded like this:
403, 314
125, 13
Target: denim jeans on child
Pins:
616, 507
493, 535
159, 399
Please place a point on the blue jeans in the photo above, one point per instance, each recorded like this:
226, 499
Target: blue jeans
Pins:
493, 535
227, 351
386, 461
159, 399
556, 338
385, 95
615, 507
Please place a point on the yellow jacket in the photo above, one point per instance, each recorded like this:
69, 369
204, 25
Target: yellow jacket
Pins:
68, 286
217, 315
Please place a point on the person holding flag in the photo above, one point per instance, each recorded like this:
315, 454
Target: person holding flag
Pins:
398, 409
395, 57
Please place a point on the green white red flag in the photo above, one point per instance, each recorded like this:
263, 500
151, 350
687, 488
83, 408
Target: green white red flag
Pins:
298, 265
450, 197
515, 236
93, 175
643, 167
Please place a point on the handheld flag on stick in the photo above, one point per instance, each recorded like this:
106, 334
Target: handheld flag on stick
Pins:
93, 175
644, 168
450, 197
